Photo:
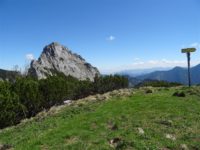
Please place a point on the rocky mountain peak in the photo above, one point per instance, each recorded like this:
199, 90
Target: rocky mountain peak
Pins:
54, 48
57, 58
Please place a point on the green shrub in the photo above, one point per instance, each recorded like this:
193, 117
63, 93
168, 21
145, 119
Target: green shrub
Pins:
11, 110
179, 94
147, 91
27, 96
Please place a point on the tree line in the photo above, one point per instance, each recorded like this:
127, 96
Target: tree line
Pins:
26, 96
157, 83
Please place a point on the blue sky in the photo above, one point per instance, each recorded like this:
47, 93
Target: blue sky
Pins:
112, 35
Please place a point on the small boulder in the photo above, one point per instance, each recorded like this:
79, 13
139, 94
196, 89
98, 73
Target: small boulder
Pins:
166, 122
116, 143
171, 137
140, 131
5, 147
184, 147
114, 93
100, 97
112, 125
107, 96
91, 98
67, 102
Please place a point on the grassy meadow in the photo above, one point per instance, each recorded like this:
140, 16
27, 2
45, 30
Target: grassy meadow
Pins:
145, 118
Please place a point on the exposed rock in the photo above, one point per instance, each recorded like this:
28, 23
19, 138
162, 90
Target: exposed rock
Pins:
5, 147
57, 58
67, 102
107, 95
171, 137
184, 147
140, 131
112, 126
116, 143
91, 98
166, 122
100, 97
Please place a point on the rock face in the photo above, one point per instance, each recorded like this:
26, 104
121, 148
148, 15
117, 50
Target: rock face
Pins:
57, 58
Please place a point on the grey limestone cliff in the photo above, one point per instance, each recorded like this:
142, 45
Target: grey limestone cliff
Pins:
57, 58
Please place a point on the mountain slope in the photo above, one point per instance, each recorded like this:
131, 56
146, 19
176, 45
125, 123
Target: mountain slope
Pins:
57, 58
141, 121
176, 74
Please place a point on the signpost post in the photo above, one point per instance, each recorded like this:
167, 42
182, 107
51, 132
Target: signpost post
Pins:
188, 51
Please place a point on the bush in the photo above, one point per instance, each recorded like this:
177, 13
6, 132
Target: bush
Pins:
148, 91
179, 94
27, 96
109, 83
11, 110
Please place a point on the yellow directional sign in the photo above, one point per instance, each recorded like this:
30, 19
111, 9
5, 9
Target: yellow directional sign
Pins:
188, 50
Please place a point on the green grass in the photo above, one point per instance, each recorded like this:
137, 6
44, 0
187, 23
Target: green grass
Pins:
87, 126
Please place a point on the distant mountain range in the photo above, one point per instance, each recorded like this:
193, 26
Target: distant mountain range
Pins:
177, 74
8, 75
138, 72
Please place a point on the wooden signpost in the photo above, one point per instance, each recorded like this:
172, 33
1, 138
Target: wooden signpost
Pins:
188, 51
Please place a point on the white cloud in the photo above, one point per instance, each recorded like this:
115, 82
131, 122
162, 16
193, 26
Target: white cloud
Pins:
138, 63
153, 62
195, 45
29, 57
162, 63
165, 60
110, 38
136, 59
148, 64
